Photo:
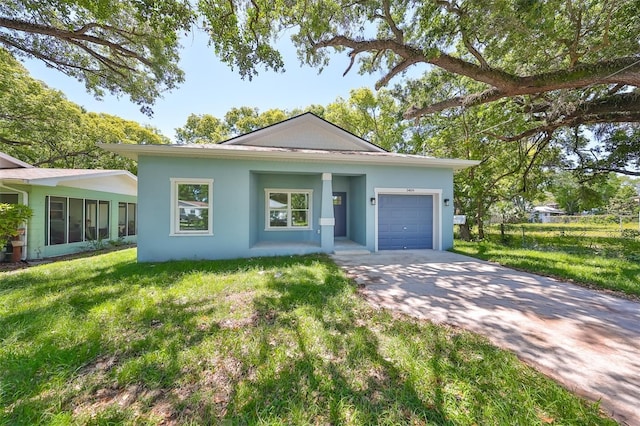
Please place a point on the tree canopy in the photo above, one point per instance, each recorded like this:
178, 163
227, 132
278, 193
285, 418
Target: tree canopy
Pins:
371, 116
40, 126
120, 46
513, 48
557, 63
205, 128
564, 63
574, 196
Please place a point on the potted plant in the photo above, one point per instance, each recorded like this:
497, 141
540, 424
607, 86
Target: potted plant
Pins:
12, 217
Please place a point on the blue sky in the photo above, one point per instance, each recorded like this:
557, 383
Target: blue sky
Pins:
211, 87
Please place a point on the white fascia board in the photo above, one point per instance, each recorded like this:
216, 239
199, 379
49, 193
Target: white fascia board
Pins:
54, 181
111, 184
117, 182
224, 151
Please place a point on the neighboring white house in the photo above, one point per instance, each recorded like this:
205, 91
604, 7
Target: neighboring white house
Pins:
544, 214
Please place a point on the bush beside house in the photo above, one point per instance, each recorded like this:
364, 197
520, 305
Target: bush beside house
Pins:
12, 219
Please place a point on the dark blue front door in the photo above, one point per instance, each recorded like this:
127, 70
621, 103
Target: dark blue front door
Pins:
340, 214
405, 222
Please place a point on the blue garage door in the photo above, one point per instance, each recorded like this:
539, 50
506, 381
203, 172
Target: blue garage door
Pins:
405, 222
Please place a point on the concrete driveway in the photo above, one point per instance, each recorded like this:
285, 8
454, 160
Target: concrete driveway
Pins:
587, 340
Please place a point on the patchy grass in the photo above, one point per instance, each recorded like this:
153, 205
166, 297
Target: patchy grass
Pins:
592, 255
104, 340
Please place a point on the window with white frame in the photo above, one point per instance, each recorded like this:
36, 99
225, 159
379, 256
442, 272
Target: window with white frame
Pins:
192, 203
288, 209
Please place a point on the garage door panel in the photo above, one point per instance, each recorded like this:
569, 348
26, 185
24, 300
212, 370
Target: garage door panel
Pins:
425, 228
394, 214
395, 228
405, 222
412, 227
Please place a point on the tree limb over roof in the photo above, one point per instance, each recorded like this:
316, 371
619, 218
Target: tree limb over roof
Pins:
121, 47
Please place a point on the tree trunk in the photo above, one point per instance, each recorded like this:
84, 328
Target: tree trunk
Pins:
480, 221
465, 232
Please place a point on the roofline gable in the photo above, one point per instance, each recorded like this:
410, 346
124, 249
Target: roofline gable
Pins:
282, 125
19, 163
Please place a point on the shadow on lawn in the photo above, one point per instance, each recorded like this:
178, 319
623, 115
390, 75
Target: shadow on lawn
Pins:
297, 348
49, 335
336, 370
82, 369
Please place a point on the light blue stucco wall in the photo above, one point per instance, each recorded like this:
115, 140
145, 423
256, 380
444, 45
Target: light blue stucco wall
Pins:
238, 204
231, 196
36, 247
417, 178
285, 181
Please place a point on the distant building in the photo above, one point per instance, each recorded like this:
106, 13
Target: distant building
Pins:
544, 214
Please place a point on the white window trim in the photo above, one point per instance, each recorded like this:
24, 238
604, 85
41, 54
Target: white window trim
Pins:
267, 226
175, 209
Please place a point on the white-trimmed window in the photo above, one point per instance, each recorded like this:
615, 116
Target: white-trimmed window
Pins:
288, 209
191, 206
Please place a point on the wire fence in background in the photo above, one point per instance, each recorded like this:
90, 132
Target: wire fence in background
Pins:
576, 231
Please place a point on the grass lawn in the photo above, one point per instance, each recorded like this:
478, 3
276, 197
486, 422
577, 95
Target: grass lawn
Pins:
104, 340
593, 255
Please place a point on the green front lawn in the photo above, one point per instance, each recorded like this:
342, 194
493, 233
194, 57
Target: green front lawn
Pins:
593, 255
104, 340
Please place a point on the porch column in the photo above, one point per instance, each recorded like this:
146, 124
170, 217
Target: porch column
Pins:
327, 221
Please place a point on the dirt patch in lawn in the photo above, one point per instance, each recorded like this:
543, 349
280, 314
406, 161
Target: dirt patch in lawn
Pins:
208, 393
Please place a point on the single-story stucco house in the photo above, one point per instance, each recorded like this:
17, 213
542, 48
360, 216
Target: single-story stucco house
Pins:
299, 186
72, 208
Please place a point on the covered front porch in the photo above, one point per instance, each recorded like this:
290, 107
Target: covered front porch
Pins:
301, 213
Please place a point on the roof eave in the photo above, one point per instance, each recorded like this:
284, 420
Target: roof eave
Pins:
56, 180
97, 174
14, 181
133, 151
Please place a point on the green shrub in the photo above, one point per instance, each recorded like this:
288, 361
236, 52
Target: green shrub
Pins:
12, 216
630, 233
